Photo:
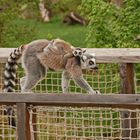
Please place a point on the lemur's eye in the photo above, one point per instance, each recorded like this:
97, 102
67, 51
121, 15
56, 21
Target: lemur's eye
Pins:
91, 62
80, 53
75, 52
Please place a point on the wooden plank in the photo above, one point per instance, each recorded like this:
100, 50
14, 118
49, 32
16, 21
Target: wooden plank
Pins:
23, 128
123, 101
103, 55
116, 55
128, 87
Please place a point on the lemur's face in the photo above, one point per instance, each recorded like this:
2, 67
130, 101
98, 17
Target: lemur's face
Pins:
79, 52
88, 61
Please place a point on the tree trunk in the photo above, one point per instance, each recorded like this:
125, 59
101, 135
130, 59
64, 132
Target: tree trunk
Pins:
45, 14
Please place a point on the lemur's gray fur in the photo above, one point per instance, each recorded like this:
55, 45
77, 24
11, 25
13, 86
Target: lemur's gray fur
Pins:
41, 55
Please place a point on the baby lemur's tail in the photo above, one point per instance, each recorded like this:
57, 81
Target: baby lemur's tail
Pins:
9, 79
10, 69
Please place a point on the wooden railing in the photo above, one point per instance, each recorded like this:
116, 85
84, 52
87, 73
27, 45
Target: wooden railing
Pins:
103, 55
125, 57
24, 100
78, 100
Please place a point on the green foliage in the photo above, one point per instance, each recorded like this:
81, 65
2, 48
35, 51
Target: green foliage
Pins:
62, 6
30, 10
11, 33
112, 26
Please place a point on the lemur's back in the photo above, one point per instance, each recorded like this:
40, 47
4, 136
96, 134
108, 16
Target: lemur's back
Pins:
52, 58
35, 47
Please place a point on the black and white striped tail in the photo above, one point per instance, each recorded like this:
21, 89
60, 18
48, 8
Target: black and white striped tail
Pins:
9, 80
10, 70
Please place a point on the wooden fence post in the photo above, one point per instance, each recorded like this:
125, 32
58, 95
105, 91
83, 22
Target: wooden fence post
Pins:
23, 127
128, 87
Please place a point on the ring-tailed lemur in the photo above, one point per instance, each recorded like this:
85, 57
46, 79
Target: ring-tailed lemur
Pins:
37, 58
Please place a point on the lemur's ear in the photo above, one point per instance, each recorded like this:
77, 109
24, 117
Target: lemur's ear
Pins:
51, 42
75, 52
49, 46
84, 58
93, 54
84, 50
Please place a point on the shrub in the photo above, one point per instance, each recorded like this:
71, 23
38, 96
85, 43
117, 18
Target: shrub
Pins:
11, 33
112, 26
62, 7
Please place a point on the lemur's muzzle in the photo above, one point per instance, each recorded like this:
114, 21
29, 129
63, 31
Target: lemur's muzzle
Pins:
95, 68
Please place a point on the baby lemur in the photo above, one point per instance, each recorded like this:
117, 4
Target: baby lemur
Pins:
40, 55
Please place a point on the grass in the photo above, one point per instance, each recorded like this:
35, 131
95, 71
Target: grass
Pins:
75, 34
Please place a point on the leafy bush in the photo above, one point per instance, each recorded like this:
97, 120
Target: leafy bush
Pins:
62, 6
112, 26
11, 33
30, 9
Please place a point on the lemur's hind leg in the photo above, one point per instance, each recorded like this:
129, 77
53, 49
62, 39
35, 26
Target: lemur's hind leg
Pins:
65, 81
34, 73
22, 82
31, 80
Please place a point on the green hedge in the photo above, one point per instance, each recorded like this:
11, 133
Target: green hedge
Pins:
112, 26
11, 33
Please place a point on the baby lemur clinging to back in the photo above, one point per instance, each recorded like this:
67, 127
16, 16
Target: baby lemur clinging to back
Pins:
41, 55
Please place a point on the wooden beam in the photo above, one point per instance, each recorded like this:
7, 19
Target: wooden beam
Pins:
103, 55
82, 100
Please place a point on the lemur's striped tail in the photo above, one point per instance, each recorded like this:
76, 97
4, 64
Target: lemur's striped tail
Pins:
10, 69
9, 80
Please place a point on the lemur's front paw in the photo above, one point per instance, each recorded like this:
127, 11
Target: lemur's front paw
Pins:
97, 92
